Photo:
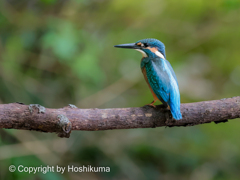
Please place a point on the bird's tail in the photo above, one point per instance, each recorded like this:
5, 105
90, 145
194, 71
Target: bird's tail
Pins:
176, 113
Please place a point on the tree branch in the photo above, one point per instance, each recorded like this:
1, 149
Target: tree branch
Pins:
62, 121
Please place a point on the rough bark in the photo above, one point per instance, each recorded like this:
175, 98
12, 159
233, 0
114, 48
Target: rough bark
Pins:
62, 121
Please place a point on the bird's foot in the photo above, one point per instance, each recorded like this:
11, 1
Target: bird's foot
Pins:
151, 104
168, 108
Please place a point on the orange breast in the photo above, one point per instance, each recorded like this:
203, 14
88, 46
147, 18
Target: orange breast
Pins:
145, 76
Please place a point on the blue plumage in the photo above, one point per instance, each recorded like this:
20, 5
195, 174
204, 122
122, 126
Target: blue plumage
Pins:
159, 74
163, 82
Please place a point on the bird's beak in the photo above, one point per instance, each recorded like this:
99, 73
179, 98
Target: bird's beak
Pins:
128, 46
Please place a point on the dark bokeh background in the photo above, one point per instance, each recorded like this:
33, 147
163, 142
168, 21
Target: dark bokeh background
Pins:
58, 52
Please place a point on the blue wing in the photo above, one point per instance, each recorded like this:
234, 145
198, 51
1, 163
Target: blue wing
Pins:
171, 69
163, 82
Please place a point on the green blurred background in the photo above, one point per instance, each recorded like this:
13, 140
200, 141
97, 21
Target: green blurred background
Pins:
59, 52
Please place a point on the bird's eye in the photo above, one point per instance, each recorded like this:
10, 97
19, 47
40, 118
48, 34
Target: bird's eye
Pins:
145, 44
142, 44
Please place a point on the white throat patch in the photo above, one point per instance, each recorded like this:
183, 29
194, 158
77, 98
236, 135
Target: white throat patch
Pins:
142, 52
159, 54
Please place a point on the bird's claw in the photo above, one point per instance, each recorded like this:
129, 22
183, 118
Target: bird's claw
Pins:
168, 108
151, 104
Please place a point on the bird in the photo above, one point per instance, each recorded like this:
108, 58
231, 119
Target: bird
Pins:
158, 74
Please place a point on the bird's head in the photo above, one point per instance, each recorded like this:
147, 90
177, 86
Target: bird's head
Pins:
148, 47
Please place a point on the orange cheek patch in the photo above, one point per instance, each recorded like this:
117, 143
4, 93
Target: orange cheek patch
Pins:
152, 49
139, 44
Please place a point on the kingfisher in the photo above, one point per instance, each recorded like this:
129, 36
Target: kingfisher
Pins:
158, 74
